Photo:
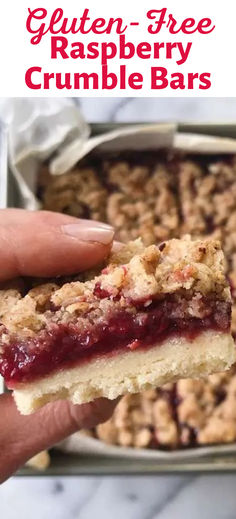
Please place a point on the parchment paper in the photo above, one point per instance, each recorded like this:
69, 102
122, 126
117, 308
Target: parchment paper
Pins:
41, 129
81, 444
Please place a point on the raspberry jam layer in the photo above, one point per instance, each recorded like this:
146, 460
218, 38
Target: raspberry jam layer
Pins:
64, 345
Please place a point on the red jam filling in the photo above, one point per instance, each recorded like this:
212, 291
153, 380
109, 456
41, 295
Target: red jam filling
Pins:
64, 345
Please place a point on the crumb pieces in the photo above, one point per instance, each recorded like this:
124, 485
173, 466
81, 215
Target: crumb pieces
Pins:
185, 414
8, 299
23, 318
78, 193
40, 461
150, 273
42, 294
145, 205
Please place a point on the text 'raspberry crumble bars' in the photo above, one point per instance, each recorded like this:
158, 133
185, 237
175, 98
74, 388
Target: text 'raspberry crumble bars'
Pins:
152, 316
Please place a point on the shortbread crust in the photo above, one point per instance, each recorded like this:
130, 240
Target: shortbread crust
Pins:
131, 372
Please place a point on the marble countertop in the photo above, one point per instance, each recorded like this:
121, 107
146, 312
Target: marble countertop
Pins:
129, 109
155, 497
151, 497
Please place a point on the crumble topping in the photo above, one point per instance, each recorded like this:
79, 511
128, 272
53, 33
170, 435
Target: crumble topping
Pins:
188, 269
138, 200
185, 414
146, 207
78, 193
8, 299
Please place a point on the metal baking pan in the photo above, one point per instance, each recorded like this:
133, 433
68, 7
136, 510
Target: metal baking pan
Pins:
71, 465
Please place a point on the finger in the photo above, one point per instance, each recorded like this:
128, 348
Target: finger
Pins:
42, 243
21, 437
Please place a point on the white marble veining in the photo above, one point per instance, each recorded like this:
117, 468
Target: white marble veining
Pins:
156, 497
162, 497
131, 109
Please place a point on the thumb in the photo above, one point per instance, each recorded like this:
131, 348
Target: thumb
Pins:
21, 437
43, 243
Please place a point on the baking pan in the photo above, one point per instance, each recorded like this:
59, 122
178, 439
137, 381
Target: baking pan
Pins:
72, 464
4, 178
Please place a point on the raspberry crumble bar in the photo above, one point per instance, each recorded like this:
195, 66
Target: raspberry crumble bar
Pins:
153, 315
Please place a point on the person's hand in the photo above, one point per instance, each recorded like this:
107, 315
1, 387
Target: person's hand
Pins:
46, 244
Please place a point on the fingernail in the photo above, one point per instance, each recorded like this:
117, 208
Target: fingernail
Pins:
117, 246
90, 231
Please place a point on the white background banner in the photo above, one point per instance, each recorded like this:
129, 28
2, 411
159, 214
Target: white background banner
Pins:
155, 48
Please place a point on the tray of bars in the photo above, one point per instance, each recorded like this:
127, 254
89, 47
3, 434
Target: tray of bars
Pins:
178, 181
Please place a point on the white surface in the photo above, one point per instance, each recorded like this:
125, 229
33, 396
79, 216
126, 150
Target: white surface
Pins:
166, 109
169, 497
